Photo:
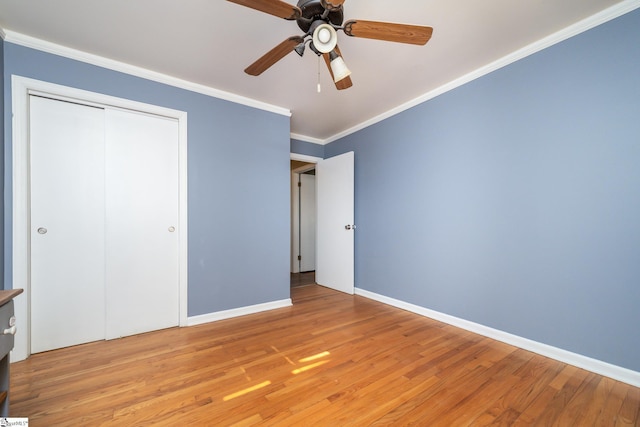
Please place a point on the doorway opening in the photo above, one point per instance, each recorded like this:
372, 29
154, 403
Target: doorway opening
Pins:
334, 199
303, 223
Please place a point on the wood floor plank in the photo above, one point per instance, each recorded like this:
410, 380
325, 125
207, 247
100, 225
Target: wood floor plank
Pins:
534, 376
611, 408
330, 359
452, 395
584, 395
556, 408
630, 410
596, 402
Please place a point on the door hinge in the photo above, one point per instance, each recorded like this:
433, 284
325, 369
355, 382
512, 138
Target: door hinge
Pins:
299, 257
299, 184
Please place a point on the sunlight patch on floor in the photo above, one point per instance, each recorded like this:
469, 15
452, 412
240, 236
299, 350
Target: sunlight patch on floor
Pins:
314, 357
246, 390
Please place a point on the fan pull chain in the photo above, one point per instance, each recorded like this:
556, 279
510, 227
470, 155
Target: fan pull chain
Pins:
319, 88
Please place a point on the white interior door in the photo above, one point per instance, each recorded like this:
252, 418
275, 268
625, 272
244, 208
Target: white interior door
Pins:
335, 217
66, 224
141, 223
307, 222
104, 223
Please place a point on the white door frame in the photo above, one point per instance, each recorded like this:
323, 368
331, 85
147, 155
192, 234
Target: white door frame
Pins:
295, 249
21, 88
305, 158
307, 222
297, 216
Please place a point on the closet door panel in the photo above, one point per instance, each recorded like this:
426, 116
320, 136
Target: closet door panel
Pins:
66, 224
141, 223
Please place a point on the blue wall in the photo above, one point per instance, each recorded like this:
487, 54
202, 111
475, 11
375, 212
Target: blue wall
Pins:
238, 179
514, 200
307, 148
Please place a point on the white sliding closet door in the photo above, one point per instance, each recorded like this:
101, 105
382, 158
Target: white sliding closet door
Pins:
104, 223
67, 224
142, 220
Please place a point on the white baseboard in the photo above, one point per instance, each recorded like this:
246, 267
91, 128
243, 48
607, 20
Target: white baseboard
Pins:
599, 367
236, 312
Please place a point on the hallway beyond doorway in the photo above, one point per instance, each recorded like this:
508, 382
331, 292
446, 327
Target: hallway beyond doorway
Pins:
303, 279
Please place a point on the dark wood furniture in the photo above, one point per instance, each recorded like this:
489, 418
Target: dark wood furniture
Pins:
7, 332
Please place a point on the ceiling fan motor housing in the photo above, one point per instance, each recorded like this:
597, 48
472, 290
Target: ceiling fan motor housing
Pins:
312, 10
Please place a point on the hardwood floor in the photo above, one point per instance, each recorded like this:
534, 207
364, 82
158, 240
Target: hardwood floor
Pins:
330, 360
303, 279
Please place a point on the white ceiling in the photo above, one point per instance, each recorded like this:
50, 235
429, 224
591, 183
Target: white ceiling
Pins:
210, 42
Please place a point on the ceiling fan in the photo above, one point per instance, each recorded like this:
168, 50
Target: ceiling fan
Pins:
319, 20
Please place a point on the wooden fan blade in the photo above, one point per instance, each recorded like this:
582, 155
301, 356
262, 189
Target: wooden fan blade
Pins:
277, 8
273, 56
400, 33
345, 83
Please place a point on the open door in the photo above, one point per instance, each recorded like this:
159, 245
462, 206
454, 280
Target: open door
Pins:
335, 217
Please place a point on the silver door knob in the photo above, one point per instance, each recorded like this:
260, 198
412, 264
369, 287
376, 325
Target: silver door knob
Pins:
172, 229
350, 227
42, 230
11, 330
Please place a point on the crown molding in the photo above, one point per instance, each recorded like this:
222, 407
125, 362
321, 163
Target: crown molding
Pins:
56, 49
573, 30
305, 138
564, 34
